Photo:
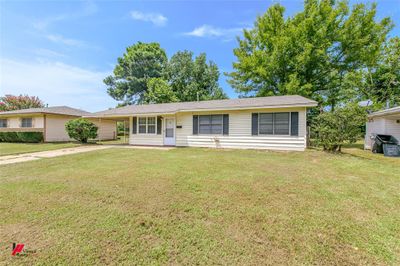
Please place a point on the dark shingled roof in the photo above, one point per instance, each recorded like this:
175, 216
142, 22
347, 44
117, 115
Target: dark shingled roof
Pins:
59, 110
229, 104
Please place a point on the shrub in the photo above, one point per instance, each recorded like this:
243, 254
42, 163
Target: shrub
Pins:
81, 129
31, 137
333, 129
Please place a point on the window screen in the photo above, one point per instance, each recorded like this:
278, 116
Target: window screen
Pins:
151, 125
26, 122
281, 124
266, 123
210, 124
142, 125
273, 123
3, 122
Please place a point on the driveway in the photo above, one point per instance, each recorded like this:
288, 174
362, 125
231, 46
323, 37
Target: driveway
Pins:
8, 159
18, 158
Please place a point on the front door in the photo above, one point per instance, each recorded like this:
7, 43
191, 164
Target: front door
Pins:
169, 132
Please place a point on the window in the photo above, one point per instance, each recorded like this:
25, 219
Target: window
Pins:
210, 124
281, 124
273, 124
26, 122
3, 122
151, 125
147, 125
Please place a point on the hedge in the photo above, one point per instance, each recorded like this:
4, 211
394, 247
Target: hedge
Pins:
31, 137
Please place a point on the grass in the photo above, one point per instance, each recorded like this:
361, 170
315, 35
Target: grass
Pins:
19, 148
202, 206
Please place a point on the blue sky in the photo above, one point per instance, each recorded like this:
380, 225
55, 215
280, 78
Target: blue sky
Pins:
62, 50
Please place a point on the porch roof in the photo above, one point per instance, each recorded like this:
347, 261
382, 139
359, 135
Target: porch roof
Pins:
228, 104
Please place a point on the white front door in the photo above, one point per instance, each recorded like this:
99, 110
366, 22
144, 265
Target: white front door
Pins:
169, 132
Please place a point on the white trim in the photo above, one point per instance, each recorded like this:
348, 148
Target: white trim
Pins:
147, 125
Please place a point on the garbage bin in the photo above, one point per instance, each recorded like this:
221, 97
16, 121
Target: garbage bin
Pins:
379, 140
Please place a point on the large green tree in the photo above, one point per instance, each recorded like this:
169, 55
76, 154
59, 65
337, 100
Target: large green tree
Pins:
138, 64
382, 80
193, 79
144, 75
316, 53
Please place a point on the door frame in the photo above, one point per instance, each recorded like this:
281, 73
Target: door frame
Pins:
167, 139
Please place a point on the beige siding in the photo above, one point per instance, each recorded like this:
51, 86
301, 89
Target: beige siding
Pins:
55, 128
240, 132
15, 122
107, 129
144, 139
393, 128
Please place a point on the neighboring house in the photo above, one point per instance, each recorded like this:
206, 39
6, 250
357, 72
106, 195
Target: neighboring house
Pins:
386, 122
51, 121
277, 122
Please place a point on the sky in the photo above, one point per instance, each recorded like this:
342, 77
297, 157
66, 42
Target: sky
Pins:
61, 51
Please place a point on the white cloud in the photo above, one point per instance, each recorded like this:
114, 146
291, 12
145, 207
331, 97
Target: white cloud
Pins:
155, 18
211, 31
56, 83
88, 8
48, 53
57, 38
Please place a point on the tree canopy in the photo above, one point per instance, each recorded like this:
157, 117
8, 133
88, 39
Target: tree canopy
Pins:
318, 53
138, 64
12, 102
145, 75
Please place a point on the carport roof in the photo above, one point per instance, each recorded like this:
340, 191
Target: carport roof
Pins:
386, 112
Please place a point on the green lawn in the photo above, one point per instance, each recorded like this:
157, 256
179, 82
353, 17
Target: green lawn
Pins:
18, 148
202, 206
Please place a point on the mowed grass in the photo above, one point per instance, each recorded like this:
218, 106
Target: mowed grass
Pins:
202, 206
19, 148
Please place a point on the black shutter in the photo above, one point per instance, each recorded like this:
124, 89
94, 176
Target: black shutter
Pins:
195, 124
159, 125
254, 124
134, 125
294, 124
225, 128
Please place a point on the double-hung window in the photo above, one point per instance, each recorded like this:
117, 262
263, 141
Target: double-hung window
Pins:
210, 124
274, 123
3, 122
147, 125
26, 122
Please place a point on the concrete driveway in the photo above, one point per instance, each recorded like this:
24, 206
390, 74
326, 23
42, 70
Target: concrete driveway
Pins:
8, 159
19, 158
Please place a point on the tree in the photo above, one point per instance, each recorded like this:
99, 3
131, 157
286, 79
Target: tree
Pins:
139, 63
193, 80
315, 53
382, 81
344, 125
11, 102
81, 129
159, 91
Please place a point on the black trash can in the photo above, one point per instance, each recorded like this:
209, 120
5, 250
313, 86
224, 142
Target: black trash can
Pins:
379, 140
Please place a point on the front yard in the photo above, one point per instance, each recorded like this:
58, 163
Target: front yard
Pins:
202, 206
